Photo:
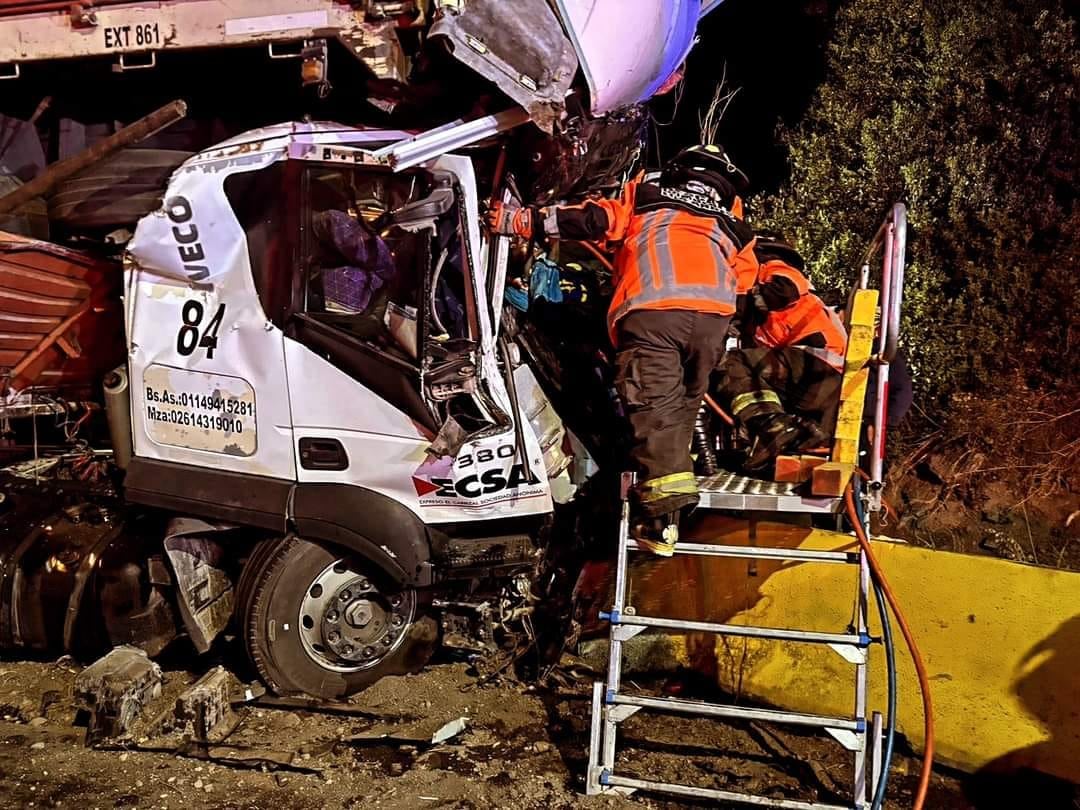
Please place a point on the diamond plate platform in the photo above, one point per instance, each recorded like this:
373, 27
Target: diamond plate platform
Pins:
726, 490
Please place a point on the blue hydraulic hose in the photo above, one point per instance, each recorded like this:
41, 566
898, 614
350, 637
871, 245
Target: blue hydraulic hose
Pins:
890, 663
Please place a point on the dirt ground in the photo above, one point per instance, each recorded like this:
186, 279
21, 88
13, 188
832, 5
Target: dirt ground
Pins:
522, 748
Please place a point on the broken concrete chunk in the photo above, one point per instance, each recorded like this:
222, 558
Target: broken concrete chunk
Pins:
115, 689
203, 709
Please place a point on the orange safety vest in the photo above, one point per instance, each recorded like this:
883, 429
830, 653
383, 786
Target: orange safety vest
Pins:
807, 316
678, 251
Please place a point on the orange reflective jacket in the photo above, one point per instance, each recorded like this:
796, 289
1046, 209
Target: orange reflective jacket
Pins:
678, 249
807, 323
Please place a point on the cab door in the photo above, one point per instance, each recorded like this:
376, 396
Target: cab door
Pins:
393, 377
208, 385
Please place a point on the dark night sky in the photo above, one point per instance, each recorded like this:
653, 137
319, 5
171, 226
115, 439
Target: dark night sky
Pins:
774, 53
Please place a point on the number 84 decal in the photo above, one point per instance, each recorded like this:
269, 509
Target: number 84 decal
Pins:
189, 338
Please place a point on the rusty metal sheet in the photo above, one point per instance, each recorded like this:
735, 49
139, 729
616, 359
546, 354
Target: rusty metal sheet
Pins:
60, 317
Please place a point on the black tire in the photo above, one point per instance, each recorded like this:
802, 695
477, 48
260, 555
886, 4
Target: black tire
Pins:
117, 191
275, 585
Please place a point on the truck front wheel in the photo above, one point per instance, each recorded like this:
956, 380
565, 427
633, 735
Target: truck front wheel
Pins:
321, 622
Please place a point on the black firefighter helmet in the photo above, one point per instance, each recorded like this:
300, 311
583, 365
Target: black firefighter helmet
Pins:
709, 165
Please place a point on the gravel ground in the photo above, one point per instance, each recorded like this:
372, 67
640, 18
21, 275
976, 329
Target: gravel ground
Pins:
522, 748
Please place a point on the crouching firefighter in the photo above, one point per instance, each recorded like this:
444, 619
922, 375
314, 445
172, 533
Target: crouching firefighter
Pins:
678, 246
785, 387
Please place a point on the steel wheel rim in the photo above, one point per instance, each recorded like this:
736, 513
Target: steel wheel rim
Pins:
347, 624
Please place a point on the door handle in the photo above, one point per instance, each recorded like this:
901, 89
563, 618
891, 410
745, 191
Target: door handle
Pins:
322, 454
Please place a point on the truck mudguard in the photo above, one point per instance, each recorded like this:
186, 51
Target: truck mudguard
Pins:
372, 525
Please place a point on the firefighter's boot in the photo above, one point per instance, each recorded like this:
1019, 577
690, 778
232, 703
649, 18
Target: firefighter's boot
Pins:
812, 437
658, 534
773, 434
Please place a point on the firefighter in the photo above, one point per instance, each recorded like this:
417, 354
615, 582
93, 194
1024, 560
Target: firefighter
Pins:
675, 279
785, 387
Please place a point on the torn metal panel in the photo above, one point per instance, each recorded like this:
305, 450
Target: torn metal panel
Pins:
435, 143
204, 588
412, 735
521, 47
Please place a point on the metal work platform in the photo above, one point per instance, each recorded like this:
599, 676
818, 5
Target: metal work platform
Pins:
726, 490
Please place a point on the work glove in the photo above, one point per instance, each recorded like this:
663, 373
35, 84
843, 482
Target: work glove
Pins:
508, 220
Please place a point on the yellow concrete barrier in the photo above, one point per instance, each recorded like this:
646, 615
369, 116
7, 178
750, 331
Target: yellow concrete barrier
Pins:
1001, 640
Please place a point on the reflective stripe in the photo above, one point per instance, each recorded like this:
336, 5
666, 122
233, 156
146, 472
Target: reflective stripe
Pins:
682, 483
655, 267
654, 225
661, 234
832, 359
697, 292
726, 245
744, 401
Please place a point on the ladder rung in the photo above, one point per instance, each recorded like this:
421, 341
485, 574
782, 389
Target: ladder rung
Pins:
610, 779
737, 712
754, 552
774, 634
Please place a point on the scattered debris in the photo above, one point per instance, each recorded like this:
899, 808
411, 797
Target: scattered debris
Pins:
115, 689
445, 733
259, 697
449, 731
203, 709
230, 756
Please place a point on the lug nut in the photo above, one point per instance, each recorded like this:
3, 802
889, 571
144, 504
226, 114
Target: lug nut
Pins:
332, 615
396, 620
345, 596
364, 585
369, 652
333, 637
347, 649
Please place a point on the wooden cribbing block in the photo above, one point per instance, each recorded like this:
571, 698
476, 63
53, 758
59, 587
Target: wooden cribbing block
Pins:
796, 469
831, 478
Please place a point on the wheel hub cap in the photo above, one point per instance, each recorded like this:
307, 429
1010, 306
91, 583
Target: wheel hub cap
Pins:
348, 623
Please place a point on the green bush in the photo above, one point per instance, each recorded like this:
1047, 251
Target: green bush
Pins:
968, 112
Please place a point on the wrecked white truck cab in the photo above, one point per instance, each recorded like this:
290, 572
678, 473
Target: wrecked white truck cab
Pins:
313, 351
327, 439
236, 294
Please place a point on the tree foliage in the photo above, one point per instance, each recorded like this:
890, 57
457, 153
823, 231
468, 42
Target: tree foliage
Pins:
968, 112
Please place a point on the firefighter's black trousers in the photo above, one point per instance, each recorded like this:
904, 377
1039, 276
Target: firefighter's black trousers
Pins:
756, 382
664, 361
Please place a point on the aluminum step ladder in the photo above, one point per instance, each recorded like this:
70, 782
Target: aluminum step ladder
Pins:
859, 734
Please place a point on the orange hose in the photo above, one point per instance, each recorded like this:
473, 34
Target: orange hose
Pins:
599, 254
913, 648
719, 411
